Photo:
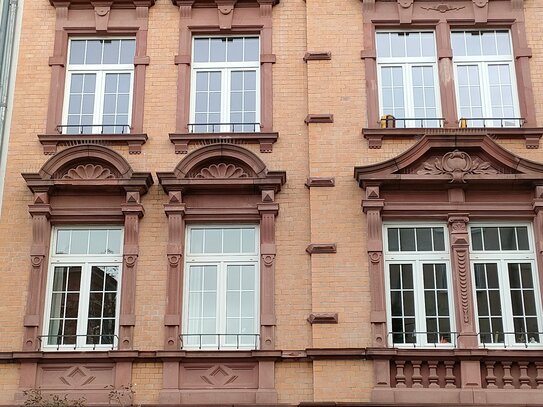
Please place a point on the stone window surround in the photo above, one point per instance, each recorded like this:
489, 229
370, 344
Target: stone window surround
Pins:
250, 198
108, 18
220, 17
454, 195
442, 17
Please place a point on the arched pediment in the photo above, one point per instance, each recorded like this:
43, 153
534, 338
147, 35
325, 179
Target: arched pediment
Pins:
88, 166
222, 167
455, 160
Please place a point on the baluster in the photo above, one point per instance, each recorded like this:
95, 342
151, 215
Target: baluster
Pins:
417, 377
524, 379
400, 374
490, 376
450, 379
507, 378
433, 378
539, 375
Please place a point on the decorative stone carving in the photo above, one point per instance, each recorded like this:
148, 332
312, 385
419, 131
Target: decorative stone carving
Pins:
375, 257
173, 260
220, 376
461, 257
268, 259
89, 171
77, 377
323, 318
457, 164
130, 260
443, 8
222, 170
405, 3
480, 3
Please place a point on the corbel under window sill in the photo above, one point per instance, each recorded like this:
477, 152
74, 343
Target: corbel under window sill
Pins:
531, 136
181, 141
51, 141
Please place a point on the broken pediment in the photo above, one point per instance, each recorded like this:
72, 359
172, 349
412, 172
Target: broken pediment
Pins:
452, 160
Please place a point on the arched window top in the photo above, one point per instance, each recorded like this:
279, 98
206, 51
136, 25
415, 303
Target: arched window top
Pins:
88, 166
222, 166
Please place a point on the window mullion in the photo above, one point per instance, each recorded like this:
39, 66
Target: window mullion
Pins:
420, 308
225, 98
485, 88
408, 89
83, 311
507, 310
221, 302
98, 100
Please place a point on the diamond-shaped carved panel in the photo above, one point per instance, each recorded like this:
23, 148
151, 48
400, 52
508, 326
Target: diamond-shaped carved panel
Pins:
72, 377
215, 376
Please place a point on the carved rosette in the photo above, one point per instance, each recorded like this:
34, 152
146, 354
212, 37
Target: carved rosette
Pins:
88, 172
130, 260
375, 257
222, 170
457, 164
173, 259
268, 259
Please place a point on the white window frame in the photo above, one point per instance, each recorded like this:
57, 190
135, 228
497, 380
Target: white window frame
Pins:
502, 258
85, 262
221, 261
225, 68
483, 62
100, 70
417, 259
407, 63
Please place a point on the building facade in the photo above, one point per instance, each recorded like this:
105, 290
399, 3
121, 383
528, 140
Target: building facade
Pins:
275, 202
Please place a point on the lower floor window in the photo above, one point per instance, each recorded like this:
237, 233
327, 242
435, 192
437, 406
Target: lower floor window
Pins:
507, 301
221, 288
508, 306
84, 286
418, 286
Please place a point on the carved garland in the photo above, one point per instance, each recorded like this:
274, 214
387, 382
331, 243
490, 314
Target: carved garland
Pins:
457, 164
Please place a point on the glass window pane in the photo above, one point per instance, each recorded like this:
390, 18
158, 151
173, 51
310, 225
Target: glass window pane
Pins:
197, 241
428, 276
526, 273
80, 242
491, 239
476, 239
247, 304
213, 241
235, 49
248, 278
439, 239
111, 51
395, 276
424, 239
94, 52
251, 49
114, 241
233, 278
248, 240
77, 51
396, 303
201, 50
98, 240
218, 50
407, 276
407, 239
112, 277
97, 279
128, 51
382, 40
522, 236
393, 240
210, 278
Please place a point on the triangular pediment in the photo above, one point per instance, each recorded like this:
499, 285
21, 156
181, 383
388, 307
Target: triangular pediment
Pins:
455, 160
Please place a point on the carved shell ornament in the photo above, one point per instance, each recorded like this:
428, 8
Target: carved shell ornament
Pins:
457, 164
221, 170
89, 171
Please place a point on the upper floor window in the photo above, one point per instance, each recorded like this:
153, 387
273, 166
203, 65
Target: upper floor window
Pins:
485, 78
505, 283
408, 78
419, 287
225, 94
221, 298
84, 279
99, 82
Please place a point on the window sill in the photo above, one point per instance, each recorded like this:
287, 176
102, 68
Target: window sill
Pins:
50, 142
181, 141
531, 136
